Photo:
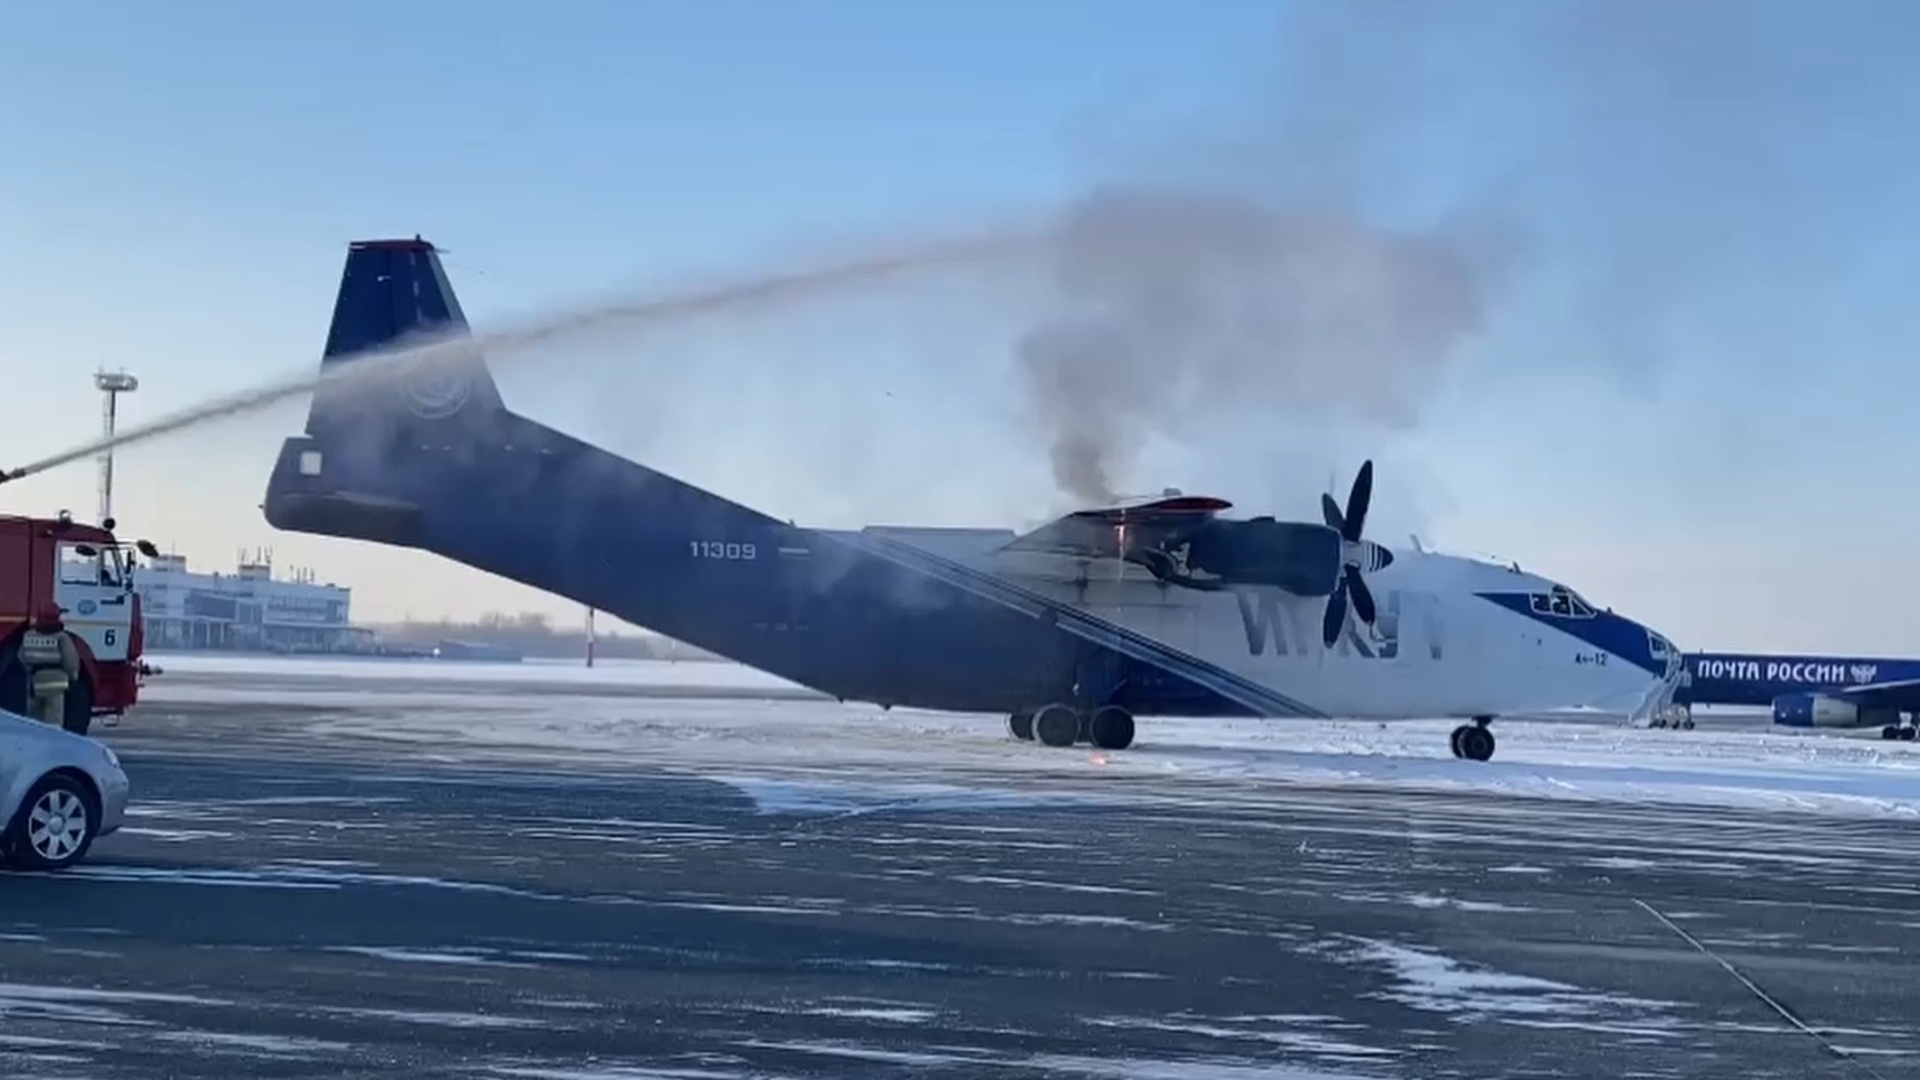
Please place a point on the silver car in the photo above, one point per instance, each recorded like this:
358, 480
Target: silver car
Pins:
59, 792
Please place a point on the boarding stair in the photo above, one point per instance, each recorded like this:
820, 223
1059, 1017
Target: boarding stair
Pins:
1657, 709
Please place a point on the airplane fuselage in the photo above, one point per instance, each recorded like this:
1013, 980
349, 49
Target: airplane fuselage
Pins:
926, 618
1455, 637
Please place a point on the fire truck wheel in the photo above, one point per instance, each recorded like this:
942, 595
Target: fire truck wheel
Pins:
79, 707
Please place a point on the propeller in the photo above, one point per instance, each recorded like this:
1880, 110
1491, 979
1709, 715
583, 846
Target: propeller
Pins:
1356, 554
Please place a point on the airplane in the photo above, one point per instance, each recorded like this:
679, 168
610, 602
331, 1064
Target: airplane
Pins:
1158, 606
1833, 692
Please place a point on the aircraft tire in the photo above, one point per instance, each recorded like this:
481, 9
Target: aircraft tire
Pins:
1020, 726
1453, 740
1056, 725
1111, 728
1476, 743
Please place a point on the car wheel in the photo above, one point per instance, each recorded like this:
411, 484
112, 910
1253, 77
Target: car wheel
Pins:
55, 826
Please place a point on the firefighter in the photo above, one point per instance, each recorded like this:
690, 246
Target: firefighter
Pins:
52, 663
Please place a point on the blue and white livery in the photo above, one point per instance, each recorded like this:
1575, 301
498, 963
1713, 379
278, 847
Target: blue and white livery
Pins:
1843, 692
1154, 607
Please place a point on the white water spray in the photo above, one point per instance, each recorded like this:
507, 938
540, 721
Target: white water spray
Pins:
396, 362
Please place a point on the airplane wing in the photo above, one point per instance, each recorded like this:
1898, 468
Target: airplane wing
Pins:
1171, 506
1093, 531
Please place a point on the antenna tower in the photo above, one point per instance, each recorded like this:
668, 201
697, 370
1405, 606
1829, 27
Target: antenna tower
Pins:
111, 385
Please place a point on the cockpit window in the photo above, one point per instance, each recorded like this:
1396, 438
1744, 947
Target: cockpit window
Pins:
1562, 603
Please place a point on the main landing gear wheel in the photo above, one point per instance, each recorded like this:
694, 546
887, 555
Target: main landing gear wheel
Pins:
1057, 725
1110, 727
1473, 741
1894, 731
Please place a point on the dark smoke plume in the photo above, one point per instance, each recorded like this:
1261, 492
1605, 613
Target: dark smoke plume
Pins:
1622, 186
1180, 305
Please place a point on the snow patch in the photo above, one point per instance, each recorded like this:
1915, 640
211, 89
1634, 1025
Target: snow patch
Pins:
1433, 982
423, 956
80, 1005
1148, 1069
893, 1014
437, 1019
262, 1044
1427, 901
782, 796
1277, 1031
615, 1073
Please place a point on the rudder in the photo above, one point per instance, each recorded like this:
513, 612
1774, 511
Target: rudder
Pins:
394, 294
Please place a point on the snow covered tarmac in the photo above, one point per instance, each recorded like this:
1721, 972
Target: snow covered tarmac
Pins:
742, 721
519, 871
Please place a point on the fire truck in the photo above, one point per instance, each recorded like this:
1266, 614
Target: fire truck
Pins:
88, 573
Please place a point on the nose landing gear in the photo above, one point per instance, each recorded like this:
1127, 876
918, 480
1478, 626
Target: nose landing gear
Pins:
1473, 741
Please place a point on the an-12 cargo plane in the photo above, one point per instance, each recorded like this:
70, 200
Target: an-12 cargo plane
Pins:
1159, 606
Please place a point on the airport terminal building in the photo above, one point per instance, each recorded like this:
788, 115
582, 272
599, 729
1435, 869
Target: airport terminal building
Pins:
247, 610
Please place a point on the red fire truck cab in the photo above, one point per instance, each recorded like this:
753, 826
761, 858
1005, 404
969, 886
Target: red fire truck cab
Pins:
88, 573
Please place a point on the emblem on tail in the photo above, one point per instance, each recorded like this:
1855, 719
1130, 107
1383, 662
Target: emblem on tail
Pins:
437, 385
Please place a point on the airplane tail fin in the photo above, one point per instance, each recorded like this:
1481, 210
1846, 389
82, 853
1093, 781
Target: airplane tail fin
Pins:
394, 294
376, 433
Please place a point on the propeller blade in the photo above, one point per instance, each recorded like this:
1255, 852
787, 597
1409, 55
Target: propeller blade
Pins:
1357, 502
1156, 561
1331, 511
1362, 596
1336, 617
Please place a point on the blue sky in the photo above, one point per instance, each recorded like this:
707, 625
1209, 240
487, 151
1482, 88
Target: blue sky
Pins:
1687, 395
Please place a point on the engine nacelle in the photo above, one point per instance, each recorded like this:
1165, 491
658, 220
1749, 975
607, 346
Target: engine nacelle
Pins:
1821, 711
1299, 557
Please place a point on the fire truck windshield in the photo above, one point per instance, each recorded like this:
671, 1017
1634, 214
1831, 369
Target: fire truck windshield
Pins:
100, 567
